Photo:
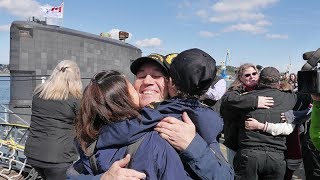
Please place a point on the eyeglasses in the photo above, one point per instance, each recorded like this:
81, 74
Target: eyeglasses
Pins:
253, 74
103, 75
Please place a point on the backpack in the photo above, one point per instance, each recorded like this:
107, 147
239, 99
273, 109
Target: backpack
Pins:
78, 168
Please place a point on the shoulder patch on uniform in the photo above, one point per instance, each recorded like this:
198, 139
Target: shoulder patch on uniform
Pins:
153, 105
244, 93
203, 105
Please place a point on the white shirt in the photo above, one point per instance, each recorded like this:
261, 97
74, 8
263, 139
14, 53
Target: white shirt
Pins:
217, 90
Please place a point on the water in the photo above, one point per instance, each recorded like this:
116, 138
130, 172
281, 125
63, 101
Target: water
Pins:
4, 89
4, 92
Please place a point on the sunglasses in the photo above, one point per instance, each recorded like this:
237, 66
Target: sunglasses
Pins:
253, 74
100, 77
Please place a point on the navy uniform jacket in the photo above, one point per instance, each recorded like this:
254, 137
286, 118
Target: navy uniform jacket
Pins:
155, 156
208, 123
198, 156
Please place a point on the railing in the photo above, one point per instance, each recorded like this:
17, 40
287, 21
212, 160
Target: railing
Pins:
7, 111
13, 163
6, 115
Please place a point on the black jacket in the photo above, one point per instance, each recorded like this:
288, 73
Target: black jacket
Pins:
283, 101
231, 103
51, 136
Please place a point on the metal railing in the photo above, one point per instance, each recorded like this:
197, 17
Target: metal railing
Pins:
7, 111
12, 141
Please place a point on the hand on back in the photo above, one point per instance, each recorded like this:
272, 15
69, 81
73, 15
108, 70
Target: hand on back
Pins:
265, 102
118, 172
178, 133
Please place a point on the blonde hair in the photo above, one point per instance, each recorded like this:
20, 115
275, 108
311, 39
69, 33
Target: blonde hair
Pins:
236, 83
63, 83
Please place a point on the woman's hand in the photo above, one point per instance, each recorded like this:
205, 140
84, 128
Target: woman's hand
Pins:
178, 133
118, 172
253, 124
265, 102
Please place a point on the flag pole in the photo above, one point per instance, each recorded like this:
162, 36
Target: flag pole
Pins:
62, 13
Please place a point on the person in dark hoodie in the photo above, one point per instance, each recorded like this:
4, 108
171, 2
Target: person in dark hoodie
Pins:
109, 114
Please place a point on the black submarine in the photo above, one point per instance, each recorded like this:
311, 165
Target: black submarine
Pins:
36, 48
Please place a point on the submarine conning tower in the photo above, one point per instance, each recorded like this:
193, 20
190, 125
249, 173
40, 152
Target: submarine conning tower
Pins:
36, 48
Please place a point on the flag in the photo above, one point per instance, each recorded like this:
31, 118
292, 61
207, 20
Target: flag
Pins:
52, 12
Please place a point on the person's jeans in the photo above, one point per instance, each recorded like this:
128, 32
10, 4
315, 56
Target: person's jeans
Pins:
250, 164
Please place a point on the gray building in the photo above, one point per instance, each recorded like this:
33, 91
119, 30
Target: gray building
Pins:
36, 48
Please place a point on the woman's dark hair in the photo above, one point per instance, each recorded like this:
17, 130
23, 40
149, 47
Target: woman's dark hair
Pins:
105, 100
295, 78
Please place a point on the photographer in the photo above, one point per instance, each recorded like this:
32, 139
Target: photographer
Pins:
310, 144
315, 121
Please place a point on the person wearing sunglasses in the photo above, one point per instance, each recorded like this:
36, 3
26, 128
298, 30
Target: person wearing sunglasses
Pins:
246, 80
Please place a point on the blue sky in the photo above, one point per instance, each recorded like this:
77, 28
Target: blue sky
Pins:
265, 32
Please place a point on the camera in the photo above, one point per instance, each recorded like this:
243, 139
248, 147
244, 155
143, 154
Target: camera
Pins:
309, 76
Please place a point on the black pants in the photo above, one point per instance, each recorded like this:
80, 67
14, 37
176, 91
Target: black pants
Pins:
52, 173
252, 164
311, 159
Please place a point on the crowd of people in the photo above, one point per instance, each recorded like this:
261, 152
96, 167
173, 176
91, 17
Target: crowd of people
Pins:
167, 124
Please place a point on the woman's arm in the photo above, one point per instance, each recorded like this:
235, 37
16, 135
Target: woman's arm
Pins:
235, 100
216, 91
280, 128
272, 128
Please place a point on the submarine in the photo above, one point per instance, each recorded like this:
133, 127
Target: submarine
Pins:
36, 48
